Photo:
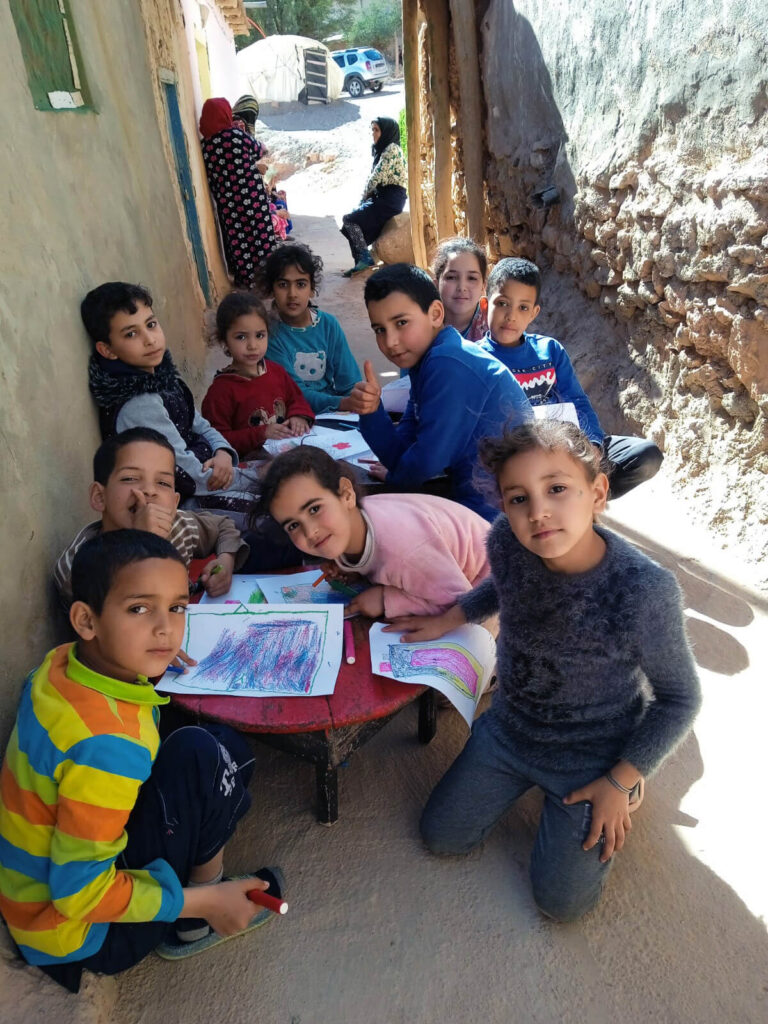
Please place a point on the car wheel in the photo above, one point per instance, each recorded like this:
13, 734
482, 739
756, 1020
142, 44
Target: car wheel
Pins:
375, 86
355, 87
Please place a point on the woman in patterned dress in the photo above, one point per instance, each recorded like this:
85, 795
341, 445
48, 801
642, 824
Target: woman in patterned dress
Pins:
384, 195
242, 203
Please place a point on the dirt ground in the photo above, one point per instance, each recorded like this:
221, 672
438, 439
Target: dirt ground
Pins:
380, 932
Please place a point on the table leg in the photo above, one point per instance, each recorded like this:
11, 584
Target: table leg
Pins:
427, 715
327, 794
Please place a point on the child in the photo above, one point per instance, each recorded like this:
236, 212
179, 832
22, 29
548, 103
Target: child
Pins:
135, 384
459, 267
543, 368
421, 551
253, 399
458, 392
133, 488
308, 343
107, 836
596, 681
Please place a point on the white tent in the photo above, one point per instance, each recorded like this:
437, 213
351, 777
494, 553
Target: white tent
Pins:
275, 68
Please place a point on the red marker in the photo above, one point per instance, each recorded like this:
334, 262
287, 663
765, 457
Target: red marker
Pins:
270, 902
349, 643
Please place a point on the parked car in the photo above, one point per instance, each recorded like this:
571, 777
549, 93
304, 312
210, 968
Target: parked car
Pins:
362, 67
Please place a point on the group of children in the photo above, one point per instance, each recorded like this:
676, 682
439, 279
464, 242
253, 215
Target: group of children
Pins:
111, 843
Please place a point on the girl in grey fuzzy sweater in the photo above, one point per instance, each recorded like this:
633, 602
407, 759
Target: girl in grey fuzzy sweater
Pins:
596, 681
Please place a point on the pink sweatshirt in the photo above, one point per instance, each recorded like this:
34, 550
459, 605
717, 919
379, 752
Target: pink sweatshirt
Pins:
425, 551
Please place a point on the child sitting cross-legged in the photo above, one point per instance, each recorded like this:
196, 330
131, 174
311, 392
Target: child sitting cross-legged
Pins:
596, 680
111, 842
458, 392
308, 343
253, 399
133, 488
543, 368
135, 384
420, 551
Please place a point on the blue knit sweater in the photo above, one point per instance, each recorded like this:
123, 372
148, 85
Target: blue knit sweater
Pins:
593, 667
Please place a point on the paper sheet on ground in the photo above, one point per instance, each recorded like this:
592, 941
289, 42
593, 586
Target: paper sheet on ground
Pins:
297, 589
564, 411
244, 590
459, 664
256, 651
339, 444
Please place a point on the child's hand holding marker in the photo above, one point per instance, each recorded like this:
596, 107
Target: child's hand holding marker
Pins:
370, 603
181, 662
216, 576
365, 396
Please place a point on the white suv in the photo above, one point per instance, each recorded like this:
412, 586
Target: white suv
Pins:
362, 67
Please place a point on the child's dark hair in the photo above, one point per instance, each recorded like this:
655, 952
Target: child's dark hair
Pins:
291, 254
235, 305
451, 247
100, 305
97, 562
402, 277
544, 435
304, 460
106, 454
514, 268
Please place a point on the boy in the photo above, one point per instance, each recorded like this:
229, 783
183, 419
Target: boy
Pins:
133, 488
543, 368
106, 836
458, 392
135, 384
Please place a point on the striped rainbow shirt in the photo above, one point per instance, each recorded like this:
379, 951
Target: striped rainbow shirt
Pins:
81, 748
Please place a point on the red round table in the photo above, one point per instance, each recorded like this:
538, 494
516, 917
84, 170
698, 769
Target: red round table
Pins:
323, 730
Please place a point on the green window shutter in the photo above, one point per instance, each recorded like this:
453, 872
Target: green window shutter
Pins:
49, 47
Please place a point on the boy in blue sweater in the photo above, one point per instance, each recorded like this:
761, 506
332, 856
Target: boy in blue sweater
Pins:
543, 369
459, 393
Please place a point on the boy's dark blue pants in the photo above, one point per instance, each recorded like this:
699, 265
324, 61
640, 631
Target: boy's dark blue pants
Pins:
186, 811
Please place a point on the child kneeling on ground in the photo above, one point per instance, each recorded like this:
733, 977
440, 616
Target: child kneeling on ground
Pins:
596, 681
107, 836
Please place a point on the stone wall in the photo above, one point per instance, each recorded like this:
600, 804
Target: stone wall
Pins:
648, 121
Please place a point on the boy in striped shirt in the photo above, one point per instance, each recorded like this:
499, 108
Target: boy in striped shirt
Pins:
108, 836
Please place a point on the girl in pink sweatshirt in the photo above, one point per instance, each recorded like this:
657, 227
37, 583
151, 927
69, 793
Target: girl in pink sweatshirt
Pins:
421, 552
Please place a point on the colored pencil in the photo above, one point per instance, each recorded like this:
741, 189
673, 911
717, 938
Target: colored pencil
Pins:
319, 579
270, 902
349, 643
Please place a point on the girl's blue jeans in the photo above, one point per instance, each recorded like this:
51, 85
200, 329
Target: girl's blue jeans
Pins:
480, 787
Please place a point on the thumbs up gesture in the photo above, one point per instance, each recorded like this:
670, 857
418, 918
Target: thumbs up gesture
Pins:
365, 396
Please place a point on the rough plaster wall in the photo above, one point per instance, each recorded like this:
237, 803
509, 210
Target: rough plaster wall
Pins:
87, 197
650, 118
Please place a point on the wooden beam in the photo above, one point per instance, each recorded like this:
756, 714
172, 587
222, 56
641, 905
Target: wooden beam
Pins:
464, 19
437, 16
413, 123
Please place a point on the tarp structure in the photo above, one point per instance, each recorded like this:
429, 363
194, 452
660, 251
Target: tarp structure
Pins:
274, 68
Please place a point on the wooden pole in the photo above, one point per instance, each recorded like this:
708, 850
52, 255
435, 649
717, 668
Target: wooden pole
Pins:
464, 19
413, 123
437, 16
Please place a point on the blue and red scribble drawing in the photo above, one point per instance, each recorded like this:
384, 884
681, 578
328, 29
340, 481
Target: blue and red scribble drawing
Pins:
451, 662
280, 656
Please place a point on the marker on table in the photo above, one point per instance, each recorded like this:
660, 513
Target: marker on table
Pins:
368, 462
270, 902
349, 642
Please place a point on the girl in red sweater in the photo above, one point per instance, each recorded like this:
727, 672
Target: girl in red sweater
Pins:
252, 399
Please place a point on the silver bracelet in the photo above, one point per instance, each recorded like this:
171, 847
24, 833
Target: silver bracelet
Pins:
617, 785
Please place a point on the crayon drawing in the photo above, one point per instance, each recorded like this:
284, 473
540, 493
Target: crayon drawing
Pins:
450, 661
305, 593
339, 444
298, 589
244, 590
253, 651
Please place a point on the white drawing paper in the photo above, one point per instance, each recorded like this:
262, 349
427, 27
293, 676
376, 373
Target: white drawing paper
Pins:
257, 651
297, 588
339, 444
563, 411
459, 664
338, 417
244, 590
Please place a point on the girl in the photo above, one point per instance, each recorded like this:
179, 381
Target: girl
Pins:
308, 343
252, 399
596, 682
384, 194
459, 267
420, 551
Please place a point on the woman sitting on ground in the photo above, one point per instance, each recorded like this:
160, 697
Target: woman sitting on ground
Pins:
383, 197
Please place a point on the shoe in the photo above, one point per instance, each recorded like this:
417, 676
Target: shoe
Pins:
364, 263
196, 940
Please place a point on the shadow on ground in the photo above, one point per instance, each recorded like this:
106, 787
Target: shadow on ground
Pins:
315, 117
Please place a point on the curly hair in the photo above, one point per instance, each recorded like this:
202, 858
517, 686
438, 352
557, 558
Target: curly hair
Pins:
544, 435
291, 254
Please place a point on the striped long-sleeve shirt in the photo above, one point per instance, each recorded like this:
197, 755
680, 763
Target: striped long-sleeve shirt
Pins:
81, 748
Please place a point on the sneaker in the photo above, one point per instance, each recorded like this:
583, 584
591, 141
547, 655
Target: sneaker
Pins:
364, 263
194, 935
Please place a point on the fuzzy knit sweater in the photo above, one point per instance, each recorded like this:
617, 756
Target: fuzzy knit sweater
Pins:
593, 667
